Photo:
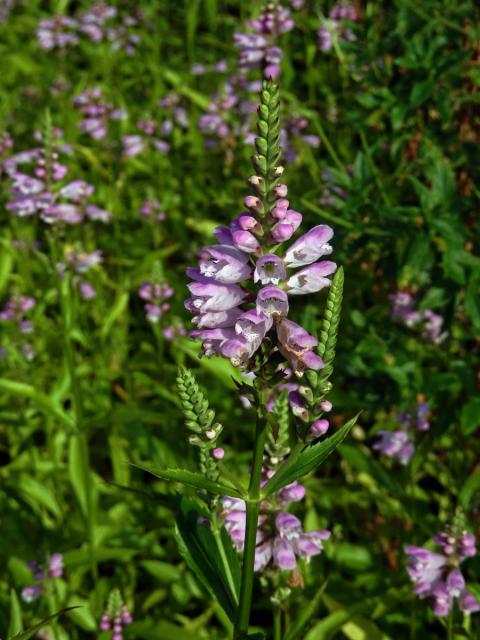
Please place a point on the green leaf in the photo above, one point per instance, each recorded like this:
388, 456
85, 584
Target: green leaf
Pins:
470, 416
364, 463
353, 556
212, 559
15, 624
349, 620
36, 493
6, 261
421, 92
310, 457
160, 630
22, 390
31, 631
163, 571
470, 489
218, 367
192, 479
115, 312
306, 616
82, 615
79, 472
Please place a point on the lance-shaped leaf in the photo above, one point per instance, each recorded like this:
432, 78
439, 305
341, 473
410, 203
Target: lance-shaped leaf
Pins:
33, 630
210, 556
312, 456
192, 479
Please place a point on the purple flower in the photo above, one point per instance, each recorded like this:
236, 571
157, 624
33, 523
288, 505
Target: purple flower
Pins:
42, 194
156, 296
425, 569
82, 262
95, 213
55, 566
224, 263
404, 310
32, 593
208, 296
395, 444
57, 32
311, 278
87, 291
77, 190
311, 246
269, 269
438, 576
280, 535
297, 345
272, 302
319, 428
116, 616
133, 145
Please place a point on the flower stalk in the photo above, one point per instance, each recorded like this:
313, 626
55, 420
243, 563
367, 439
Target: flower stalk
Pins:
252, 510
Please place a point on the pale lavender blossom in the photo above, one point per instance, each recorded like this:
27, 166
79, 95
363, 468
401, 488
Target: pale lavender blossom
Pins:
336, 27
438, 576
58, 32
96, 112
87, 291
5, 8
135, 144
404, 309
155, 296
115, 621
259, 49
281, 540
16, 309
152, 208
81, 261
31, 593
396, 444
53, 568
43, 194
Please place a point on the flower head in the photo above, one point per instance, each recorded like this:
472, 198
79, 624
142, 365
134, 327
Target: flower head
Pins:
438, 576
241, 288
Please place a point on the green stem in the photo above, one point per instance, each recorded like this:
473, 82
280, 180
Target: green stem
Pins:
327, 144
253, 509
277, 623
450, 626
373, 169
67, 309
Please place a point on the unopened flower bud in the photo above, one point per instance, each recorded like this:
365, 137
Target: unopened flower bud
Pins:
210, 434
280, 190
318, 428
252, 202
218, 453
278, 171
326, 405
